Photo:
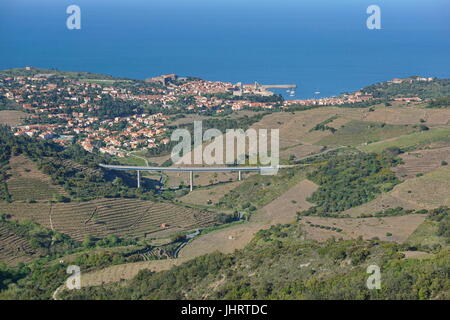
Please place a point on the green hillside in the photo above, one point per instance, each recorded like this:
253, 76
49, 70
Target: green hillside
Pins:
278, 264
423, 89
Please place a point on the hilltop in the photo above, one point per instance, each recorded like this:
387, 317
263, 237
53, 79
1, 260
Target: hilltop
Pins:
413, 86
31, 71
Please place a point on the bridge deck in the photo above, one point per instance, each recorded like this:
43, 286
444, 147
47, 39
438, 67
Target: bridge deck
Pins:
189, 169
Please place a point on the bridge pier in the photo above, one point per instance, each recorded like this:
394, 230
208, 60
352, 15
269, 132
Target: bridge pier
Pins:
191, 170
138, 179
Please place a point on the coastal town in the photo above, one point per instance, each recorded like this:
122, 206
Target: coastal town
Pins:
119, 116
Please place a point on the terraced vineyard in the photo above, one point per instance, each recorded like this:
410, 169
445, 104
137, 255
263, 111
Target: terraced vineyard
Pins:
22, 189
359, 132
128, 218
409, 140
422, 162
26, 182
14, 249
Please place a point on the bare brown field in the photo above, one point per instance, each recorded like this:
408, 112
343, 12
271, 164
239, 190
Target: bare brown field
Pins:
384, 202
202, 179
416, 254
422, 162
409, 115
128, 218
401, 227
442, 143
159, 160
284, 209
125, 271
12, 117
295, 126
338, 123
26, 182
214, 194
14, 249
398, 114
227, 240
300, 151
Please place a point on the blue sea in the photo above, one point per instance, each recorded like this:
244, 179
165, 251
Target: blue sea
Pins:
320, 45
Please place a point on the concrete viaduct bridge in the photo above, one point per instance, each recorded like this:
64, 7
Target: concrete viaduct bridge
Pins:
191, 170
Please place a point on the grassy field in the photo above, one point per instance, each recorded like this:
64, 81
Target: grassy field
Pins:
409, 140
356, 132
430, 191
131, 161
259, 190
425, 234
